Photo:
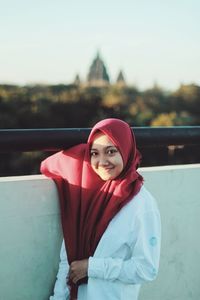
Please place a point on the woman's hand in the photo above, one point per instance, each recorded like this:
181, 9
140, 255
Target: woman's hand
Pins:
78, 270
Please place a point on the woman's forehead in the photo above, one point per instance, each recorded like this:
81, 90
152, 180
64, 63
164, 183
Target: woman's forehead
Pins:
101, 139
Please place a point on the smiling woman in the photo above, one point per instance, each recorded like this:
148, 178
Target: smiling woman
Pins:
106, 159
111, 223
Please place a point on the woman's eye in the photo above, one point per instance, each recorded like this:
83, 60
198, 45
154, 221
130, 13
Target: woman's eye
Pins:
112, 151
93, 153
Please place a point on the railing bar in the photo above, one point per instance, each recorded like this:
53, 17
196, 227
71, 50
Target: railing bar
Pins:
53, 139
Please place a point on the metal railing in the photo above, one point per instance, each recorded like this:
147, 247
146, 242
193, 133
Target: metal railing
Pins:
22, 140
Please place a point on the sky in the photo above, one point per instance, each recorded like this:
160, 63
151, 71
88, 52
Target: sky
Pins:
49, 42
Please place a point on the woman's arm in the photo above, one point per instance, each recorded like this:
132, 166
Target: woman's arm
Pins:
144, 262
51, 166
61, 290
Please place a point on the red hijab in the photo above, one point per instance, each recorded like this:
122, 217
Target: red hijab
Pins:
87, 202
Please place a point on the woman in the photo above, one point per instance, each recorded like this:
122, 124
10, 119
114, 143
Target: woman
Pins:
111, 223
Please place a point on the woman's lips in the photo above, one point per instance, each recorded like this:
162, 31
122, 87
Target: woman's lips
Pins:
107, 168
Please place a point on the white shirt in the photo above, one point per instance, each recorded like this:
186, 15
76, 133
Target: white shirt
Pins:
126, 256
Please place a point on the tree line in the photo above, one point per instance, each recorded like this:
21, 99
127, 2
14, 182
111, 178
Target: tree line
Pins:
54, 106
43, 106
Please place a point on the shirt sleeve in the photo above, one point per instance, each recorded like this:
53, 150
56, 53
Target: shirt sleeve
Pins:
144, 262
61, 290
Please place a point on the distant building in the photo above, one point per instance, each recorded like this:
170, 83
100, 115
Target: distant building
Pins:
77, 80
98, 75
120, 79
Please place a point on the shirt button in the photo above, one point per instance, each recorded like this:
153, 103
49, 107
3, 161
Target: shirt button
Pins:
153, 241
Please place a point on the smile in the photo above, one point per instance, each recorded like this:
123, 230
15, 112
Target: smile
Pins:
107, 169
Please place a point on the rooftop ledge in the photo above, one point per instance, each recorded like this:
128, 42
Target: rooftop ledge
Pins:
31, 235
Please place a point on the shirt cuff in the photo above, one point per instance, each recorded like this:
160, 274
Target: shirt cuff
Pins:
96, 267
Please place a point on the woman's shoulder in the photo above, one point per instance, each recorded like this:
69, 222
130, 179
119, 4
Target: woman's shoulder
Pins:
144, 202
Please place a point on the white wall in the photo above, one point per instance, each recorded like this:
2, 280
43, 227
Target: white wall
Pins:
177, 190
30, 235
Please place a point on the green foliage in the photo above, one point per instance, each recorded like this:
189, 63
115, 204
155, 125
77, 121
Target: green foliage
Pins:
76, 106
187, 98
43, 106
40, 106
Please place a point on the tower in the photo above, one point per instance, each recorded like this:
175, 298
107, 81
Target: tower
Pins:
120, 79
98, 75
77, 80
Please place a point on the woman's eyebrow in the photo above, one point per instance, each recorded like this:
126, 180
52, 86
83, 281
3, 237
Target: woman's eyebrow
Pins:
111, 147
107, 147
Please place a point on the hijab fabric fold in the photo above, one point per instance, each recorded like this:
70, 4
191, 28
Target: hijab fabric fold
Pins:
87, 202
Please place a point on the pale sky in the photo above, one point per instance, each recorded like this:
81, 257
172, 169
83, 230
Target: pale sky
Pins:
51, 41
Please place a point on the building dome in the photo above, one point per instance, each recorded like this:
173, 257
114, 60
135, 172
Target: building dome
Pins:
98, 75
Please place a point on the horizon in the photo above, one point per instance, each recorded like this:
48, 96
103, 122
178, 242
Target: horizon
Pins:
49, 43
85, 85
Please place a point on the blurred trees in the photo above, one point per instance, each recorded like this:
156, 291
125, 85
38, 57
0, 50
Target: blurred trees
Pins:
77, 106
45, 106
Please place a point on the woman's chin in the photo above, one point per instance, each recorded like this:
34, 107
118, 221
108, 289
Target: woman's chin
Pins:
106, 177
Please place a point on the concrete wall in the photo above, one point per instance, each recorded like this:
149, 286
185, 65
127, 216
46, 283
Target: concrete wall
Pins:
30, 235
177, 190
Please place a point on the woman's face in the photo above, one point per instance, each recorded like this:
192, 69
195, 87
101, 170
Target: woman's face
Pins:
106, 160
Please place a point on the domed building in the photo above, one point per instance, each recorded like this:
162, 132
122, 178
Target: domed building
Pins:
98, 75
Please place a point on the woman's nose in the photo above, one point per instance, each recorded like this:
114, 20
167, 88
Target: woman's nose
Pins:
103, 161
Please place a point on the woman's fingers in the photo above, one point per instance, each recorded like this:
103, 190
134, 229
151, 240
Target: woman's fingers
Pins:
78, 270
